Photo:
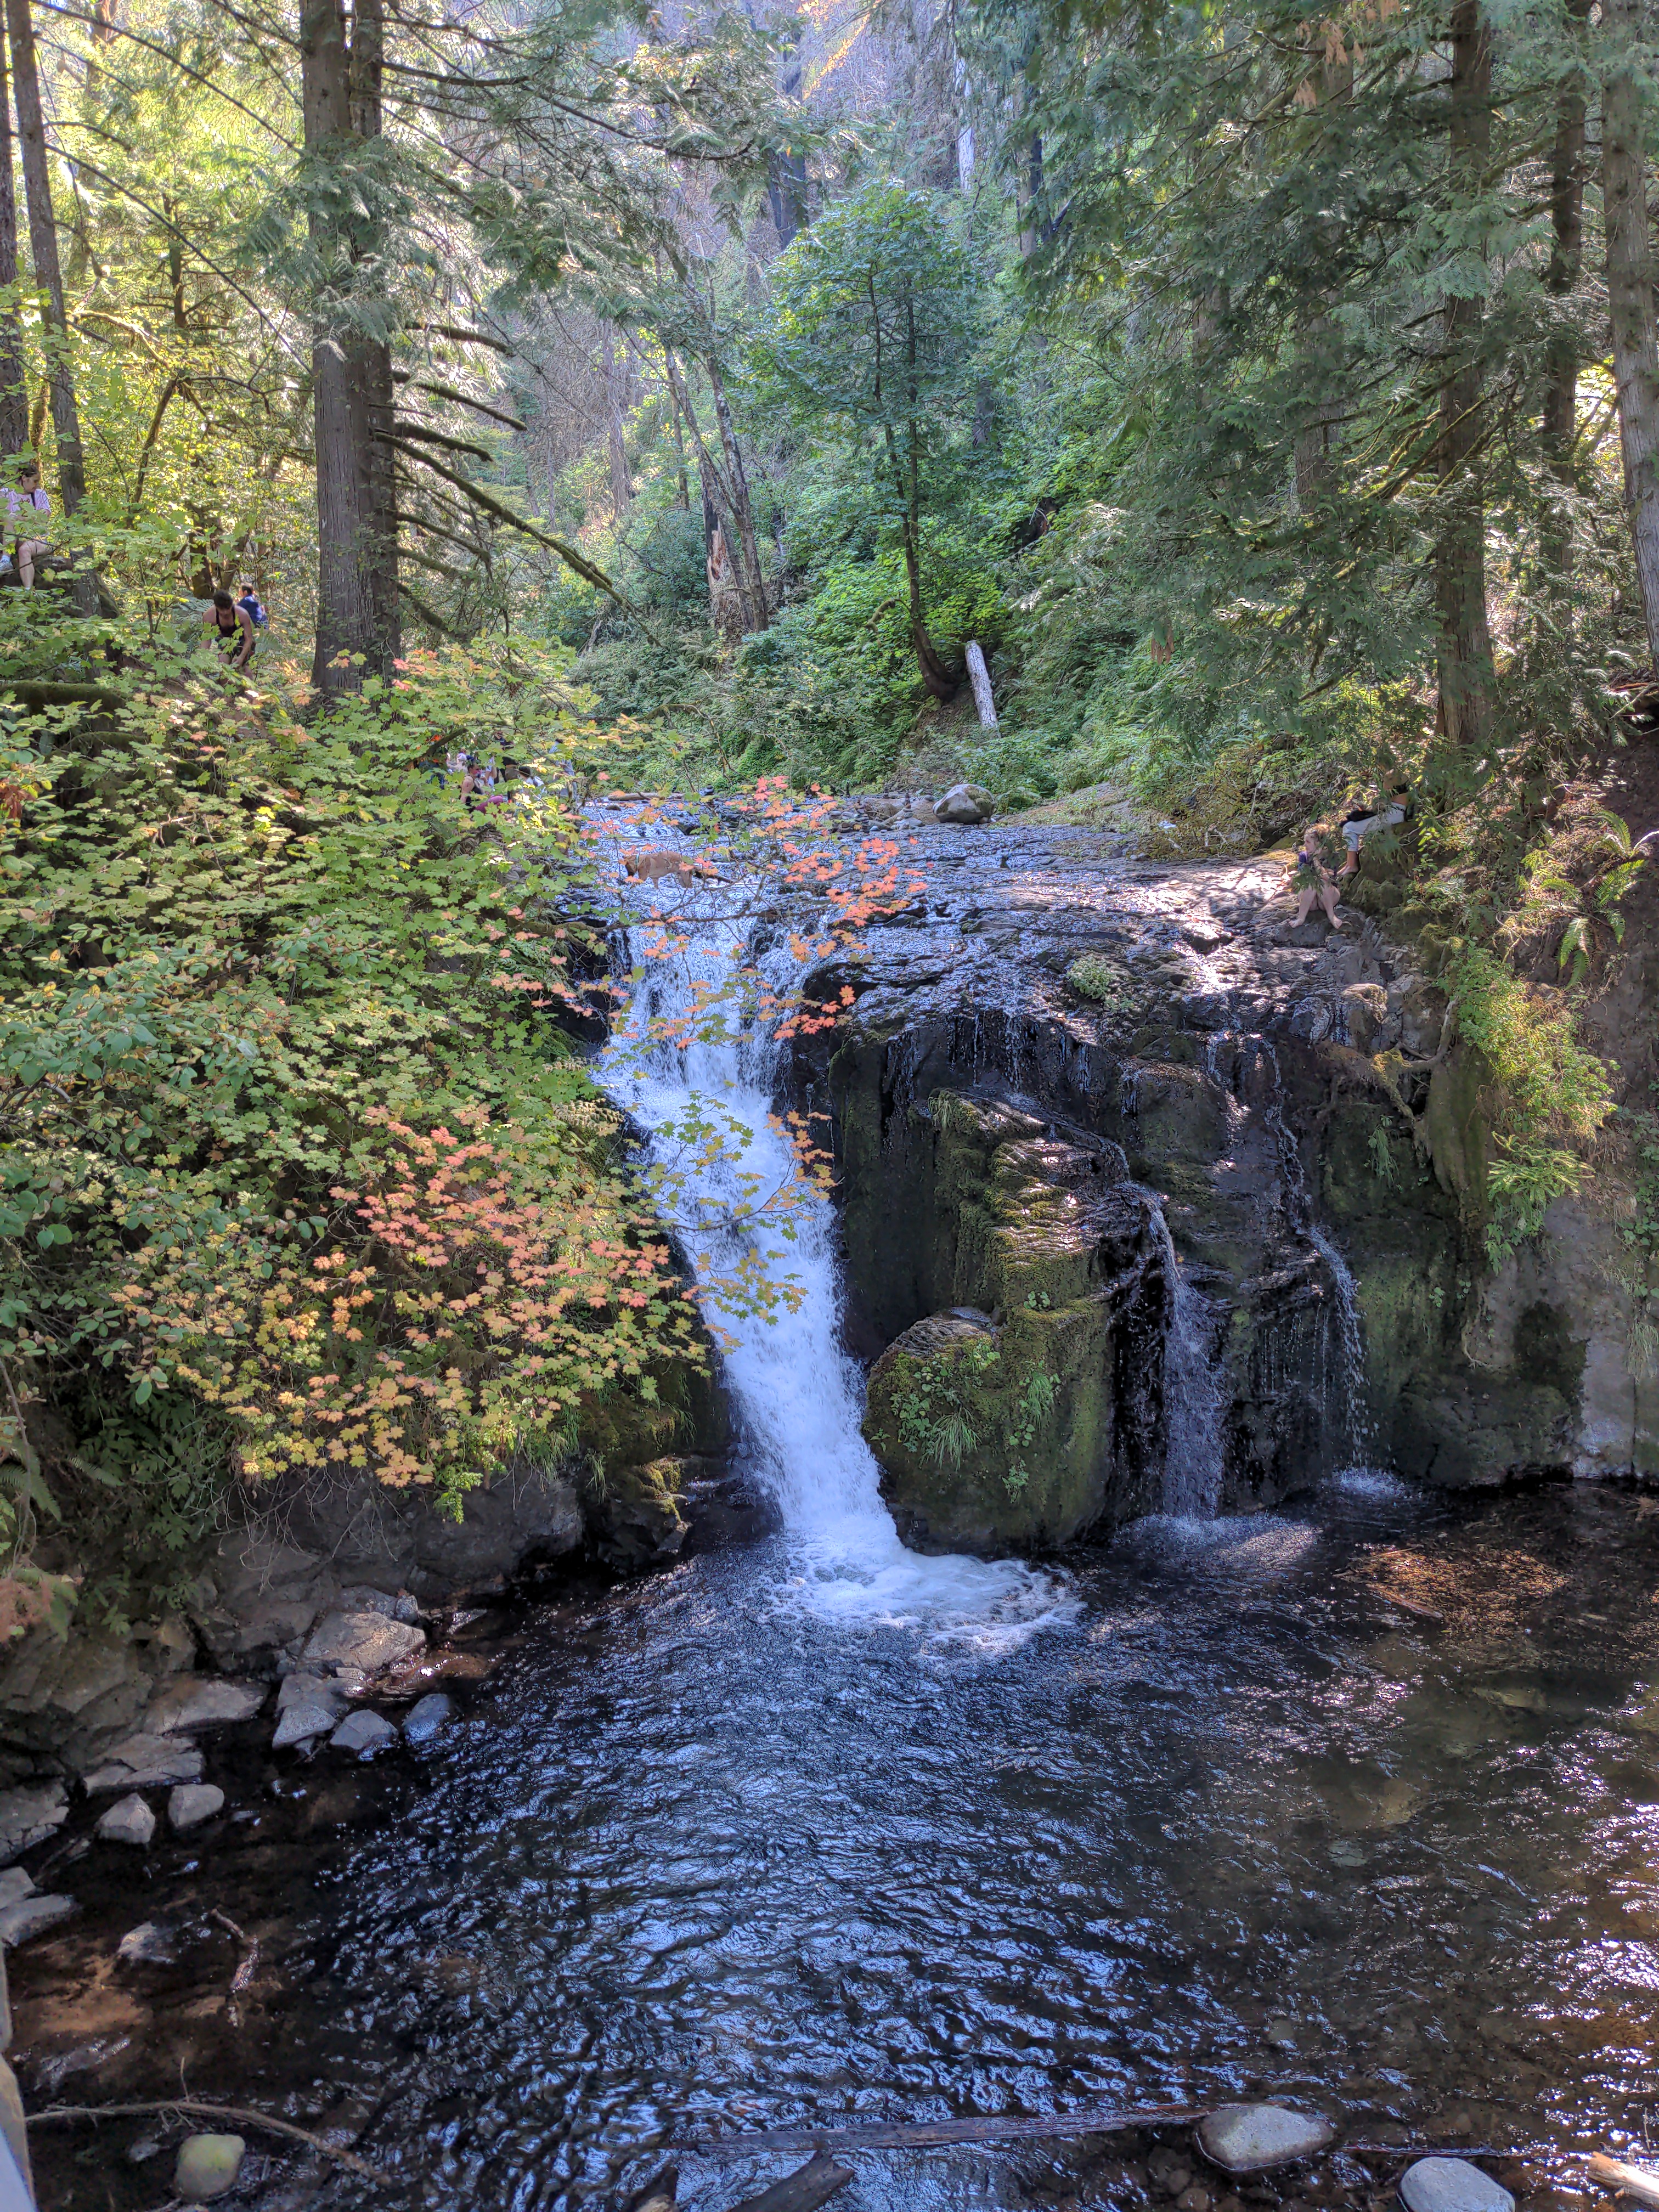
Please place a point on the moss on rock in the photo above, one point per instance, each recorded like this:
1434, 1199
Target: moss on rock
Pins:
1025, 1416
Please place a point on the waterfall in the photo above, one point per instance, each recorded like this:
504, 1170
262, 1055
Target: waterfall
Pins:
1357, 1438
797, 1396
1191, 1394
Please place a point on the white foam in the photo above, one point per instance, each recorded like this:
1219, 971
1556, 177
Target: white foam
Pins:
798, 1397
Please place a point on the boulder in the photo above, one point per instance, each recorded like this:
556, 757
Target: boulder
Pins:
15, 1883
1451, 2185
1024, 1435
634, 1516
194, 1701
13, 2127
129, 1820
367, 1640
363, 1733
427, 1716
1251, 2138
197, 1801
28, 1817
207, 2166
965, 803
146, 1762
32, 1916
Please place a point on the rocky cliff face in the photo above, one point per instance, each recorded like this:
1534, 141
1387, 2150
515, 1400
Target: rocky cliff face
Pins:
1060, 1044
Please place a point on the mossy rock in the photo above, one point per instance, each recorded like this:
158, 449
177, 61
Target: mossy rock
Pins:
1020, 1433
634, 1516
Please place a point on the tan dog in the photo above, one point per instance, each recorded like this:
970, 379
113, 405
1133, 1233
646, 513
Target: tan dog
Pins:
683, 868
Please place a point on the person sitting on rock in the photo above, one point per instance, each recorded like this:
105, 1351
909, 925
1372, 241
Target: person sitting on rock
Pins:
1312, 880
1358, 826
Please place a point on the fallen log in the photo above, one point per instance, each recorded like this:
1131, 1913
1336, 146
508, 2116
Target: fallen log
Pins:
924, 2135
243, 2118
813, 2185
1637, 2181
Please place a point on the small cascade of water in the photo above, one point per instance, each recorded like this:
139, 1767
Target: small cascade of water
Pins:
798, 1397
1356, 1436
1191, 1396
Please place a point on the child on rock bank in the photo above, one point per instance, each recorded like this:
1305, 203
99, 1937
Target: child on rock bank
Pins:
1312, 880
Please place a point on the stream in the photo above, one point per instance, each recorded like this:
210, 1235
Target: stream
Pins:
1352, 1802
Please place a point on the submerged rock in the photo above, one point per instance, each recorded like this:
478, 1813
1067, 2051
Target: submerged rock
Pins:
207, 2166
426, 1716
1452, 2184
197, 1801
129, 1820
32, 1916
149, 1944
1250, 2138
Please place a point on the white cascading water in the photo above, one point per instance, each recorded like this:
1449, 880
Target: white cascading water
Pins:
797, 1395
1192, 1397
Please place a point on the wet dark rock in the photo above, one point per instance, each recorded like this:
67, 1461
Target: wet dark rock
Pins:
427, 1717
150, 1944
634, 1515
722, 1505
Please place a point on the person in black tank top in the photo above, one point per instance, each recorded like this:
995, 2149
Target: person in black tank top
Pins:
231, 630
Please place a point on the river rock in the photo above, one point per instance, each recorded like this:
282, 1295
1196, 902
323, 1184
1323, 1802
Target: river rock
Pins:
367, 1640
32, 1916
1451, 2185
15, 1884
364, 1733
426, 1716
129, 1820
195, 1801
1250, 2138
319, 1689
146, 1762
29, 1816
392, 1605
13, 2127
202, 1701
965, 803
305, 1722
634, 1522
207, 2167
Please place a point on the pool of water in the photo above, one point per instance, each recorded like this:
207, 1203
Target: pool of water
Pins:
1356, 1805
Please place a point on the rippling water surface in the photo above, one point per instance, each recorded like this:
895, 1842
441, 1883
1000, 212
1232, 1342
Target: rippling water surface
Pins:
1243, 1821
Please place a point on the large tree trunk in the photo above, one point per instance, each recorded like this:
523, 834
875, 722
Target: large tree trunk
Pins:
43, 246
356, 543
726, 573
1559, 421
1329, 84
1467, 679
743, 509
14, 384
1630, 278
373, 359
